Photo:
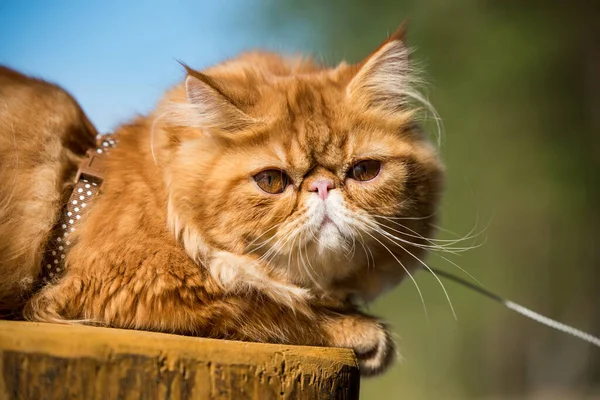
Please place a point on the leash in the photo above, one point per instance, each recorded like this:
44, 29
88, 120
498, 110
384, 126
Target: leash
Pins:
87, 185
549, 322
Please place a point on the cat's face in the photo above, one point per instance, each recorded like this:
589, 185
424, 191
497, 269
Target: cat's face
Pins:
306, 168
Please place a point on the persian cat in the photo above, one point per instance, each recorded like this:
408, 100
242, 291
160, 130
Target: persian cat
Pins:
262, 200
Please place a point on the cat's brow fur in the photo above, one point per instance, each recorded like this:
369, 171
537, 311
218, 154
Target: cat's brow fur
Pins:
182, 239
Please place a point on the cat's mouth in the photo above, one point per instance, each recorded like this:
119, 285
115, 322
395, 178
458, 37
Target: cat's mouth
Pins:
326, 228
328, 236
326, 220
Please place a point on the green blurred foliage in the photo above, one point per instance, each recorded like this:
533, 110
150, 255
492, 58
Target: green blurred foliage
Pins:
517, 85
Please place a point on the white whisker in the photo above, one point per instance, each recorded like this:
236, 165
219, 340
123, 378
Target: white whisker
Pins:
434, 247
406, 270
467, 236
426, 266
261, 244
309, 264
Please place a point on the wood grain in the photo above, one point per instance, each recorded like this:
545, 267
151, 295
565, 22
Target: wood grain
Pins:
48, 361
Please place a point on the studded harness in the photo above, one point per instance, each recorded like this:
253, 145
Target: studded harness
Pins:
88, 182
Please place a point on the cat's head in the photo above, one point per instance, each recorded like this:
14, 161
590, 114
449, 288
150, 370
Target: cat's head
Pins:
322, 172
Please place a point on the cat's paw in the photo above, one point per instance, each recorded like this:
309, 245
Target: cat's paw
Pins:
370, 339
376, 354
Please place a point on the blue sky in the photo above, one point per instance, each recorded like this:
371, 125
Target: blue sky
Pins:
117, 57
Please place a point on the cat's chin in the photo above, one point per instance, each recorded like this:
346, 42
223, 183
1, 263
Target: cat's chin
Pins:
319, 263
329, 239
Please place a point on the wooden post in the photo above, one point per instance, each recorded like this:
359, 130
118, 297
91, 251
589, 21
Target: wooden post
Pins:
48, 361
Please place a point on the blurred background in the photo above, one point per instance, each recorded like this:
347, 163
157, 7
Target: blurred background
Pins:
517, 84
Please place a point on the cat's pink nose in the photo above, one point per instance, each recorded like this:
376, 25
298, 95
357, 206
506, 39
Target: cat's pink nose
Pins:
322, 187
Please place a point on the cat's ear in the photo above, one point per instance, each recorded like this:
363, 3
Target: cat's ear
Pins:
211, 107
383, 79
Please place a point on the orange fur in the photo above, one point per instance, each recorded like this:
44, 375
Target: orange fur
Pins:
43, 135
183, 240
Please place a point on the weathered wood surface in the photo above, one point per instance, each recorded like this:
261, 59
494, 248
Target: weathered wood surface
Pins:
47, 361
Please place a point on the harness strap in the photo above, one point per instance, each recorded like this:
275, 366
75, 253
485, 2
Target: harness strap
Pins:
88, 183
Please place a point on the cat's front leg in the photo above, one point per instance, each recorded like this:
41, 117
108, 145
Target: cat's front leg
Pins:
151, 304
367, 336
258, 319
236, 274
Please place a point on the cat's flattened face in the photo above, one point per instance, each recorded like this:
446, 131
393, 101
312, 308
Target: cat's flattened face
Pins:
306, 167
306, 189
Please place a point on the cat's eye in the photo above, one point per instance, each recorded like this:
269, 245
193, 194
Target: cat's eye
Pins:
365, 170
272, 181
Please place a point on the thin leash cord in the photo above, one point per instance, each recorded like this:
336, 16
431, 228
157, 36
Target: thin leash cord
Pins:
522, 310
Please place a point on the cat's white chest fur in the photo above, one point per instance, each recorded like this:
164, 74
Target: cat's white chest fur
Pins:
240, 273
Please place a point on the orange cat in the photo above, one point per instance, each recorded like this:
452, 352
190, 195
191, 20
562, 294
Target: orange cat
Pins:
249, 206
